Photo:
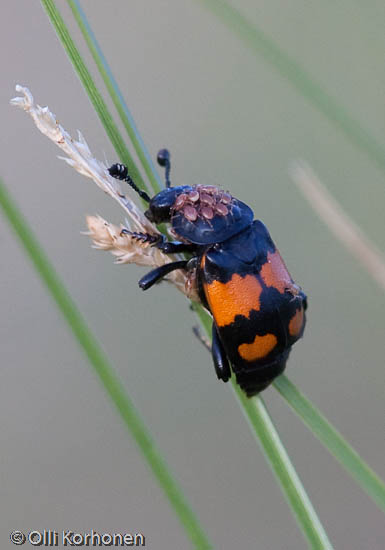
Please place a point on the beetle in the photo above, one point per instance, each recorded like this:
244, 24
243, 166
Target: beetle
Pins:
258, 311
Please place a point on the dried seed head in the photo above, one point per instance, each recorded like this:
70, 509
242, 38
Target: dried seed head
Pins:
80, 157
124, 246
191, 286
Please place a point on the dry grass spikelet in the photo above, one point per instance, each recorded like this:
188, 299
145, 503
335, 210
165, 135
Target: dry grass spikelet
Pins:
127, 249
105, 236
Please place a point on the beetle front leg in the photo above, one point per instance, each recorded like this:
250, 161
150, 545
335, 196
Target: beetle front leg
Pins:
221, 363
143, 237
174, 247
157, 274
160, 242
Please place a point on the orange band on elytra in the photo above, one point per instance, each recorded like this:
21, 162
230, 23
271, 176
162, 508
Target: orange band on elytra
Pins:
258, 349
275, 274
296, 322
236, 297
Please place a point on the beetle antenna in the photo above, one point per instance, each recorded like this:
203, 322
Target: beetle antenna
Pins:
120, 172
163, 159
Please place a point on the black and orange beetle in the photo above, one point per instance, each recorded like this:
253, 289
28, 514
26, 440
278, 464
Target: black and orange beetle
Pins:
258, 311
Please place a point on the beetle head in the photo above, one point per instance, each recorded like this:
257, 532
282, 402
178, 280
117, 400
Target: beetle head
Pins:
161, 206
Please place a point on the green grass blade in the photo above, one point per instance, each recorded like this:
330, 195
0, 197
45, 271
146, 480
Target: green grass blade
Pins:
288, 68
116, 95
267, 435
92, 91
262, 426
104, 371
333, 440
270, 441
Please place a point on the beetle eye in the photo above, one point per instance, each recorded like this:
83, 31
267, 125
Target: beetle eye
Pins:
149, 215
160, 206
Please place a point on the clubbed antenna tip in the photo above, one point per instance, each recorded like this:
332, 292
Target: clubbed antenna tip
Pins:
163, 159
120, 172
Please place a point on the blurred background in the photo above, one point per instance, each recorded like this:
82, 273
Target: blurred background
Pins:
229, 118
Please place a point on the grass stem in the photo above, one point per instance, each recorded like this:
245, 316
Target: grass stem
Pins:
333, 440
267, 435
261, 44
92, 92
116, 95
106, 374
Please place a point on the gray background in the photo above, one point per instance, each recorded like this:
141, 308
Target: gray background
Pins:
230, 119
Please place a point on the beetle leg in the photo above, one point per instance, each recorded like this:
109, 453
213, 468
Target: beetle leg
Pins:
173, 247
202, 338
160, 242
144, 237
157, 274
221, 363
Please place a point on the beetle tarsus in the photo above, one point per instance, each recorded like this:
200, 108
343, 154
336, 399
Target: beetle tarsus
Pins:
144, 237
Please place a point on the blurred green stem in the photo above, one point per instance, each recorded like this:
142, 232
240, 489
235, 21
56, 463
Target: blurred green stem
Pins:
305, 84
253, 408
267, 435
92, 92
333, 440
262, 426
107, 376
116, 95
